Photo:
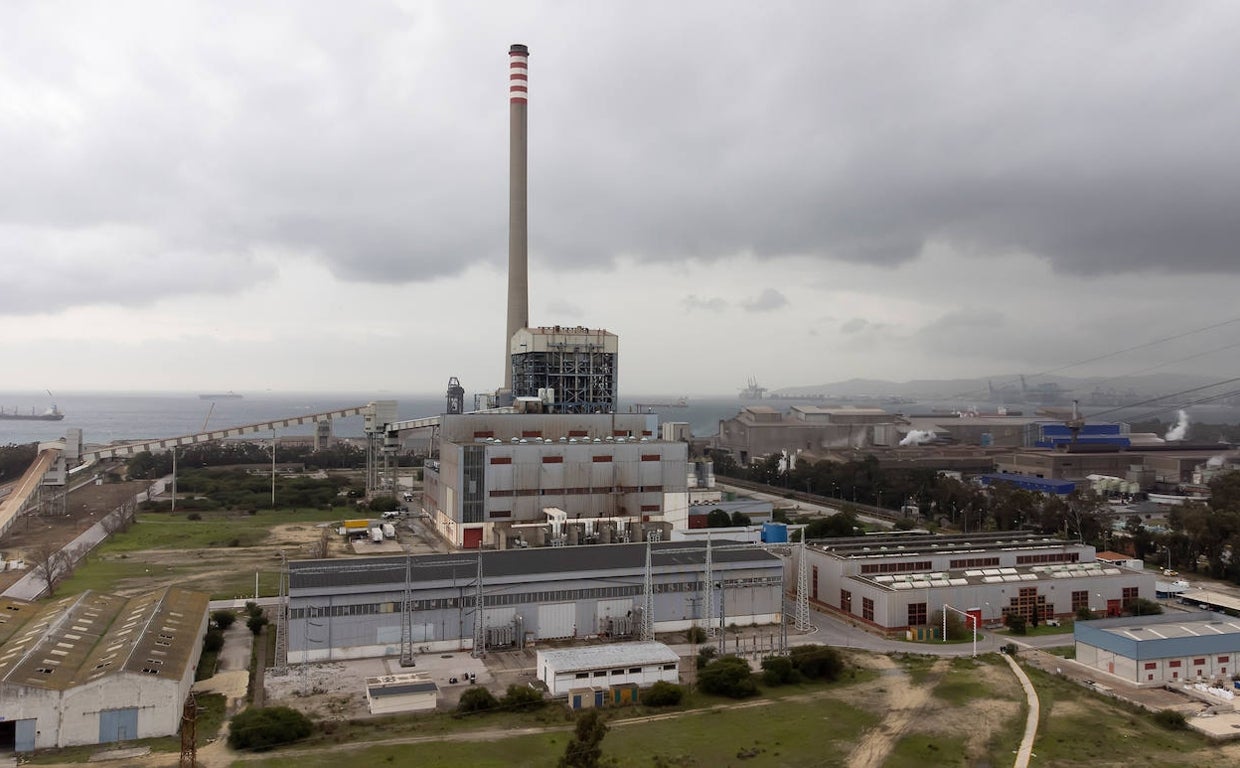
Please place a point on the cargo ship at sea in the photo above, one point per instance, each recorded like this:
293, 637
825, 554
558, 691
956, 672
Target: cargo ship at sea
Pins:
225, 396
51, 414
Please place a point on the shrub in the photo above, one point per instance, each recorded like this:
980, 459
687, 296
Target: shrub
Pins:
818, 662
476, 699
256, 623
193, 516
1016, 623
695, 635
728, 676
779, 670
223, 619
521, 698
662, 694
252, 608
1171, 719
384, 504
705, 655
1084, 613
213, 641
264, 728
1010, 649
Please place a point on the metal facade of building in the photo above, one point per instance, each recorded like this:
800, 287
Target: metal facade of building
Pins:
351, 608
1158, 650
895, 582
577, 365
497, 473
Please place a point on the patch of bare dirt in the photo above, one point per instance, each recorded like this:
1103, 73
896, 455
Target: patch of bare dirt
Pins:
904, 704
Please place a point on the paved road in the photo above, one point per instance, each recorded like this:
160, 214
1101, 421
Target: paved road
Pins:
802, 507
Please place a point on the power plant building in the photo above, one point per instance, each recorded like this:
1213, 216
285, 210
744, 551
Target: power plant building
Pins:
896, 583
352, 608
572, 369
507, 479
1166, 649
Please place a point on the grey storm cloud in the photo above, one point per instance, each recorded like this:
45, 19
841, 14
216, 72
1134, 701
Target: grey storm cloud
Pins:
1097, 137
766, 301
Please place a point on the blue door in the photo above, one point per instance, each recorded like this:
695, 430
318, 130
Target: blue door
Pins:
118, 725
23, 740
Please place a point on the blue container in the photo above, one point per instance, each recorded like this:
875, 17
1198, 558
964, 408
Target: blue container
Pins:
774, 533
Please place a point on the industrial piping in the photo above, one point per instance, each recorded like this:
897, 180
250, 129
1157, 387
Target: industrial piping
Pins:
518, 257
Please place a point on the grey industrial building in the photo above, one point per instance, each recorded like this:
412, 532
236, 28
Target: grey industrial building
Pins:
1157, 650
506, 479
93, 668
572, 369
342, 609
897, 582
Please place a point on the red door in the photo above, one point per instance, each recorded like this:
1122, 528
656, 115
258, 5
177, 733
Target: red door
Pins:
473, 538
1115, 607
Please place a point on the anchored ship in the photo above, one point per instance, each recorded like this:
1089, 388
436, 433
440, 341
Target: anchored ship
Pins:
51, 414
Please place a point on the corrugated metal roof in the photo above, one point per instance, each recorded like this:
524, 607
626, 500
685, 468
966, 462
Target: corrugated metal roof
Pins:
605, 656
515, 563
81, 638
378, 691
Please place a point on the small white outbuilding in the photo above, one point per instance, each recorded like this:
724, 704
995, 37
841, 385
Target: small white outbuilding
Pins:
410, 692
642, 664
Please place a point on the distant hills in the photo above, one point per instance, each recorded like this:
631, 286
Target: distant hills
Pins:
982, 388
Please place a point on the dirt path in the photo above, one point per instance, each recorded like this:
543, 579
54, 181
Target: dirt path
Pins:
904, 702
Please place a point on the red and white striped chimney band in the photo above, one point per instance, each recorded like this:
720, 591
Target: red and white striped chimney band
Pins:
518, 76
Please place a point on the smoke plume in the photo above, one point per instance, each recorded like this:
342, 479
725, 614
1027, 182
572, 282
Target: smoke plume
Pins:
917, 437
1180, 430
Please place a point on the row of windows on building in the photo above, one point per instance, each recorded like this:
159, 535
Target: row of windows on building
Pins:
602, 459
526, 598
603, 672
922, 566
579, 491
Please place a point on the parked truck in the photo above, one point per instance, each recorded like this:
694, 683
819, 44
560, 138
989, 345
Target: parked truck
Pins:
376, 535
389, 530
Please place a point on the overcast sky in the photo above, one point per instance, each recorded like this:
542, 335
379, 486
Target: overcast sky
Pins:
313, 195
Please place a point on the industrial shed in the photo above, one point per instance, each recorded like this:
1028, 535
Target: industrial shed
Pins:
605, 666
1156, 650
95, 668
352, 608
896, 583
410, 692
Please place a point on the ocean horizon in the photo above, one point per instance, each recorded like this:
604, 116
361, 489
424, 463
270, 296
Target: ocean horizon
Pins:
105, 417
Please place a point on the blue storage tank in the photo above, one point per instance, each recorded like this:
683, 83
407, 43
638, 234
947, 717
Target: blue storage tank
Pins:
774, 533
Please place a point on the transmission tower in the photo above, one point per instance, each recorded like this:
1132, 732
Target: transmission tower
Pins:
802, 599
189, 733
648, 598
279, 667
406, 617
708, 586
479, 649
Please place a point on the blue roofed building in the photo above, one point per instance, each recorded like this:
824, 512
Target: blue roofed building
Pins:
1165, 649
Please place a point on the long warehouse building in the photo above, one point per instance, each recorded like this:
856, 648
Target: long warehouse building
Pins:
347, 609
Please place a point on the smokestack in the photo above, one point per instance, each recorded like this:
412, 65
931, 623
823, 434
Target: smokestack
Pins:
518, 257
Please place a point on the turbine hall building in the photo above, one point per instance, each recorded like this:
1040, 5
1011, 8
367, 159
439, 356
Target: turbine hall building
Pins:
347, 609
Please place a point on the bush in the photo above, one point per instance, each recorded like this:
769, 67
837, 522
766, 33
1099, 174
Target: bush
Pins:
705, 655
384, 504
695, 635
213, 641
1171, 719
817, 662
264, 728
662, 694
520, 698
1010, 649
728, 676
779, 670
1016, 623
223, 619
1084, 613
476, 699
193, 516
252, 608
256, 623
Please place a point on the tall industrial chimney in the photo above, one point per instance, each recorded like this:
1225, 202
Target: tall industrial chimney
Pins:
518, 257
